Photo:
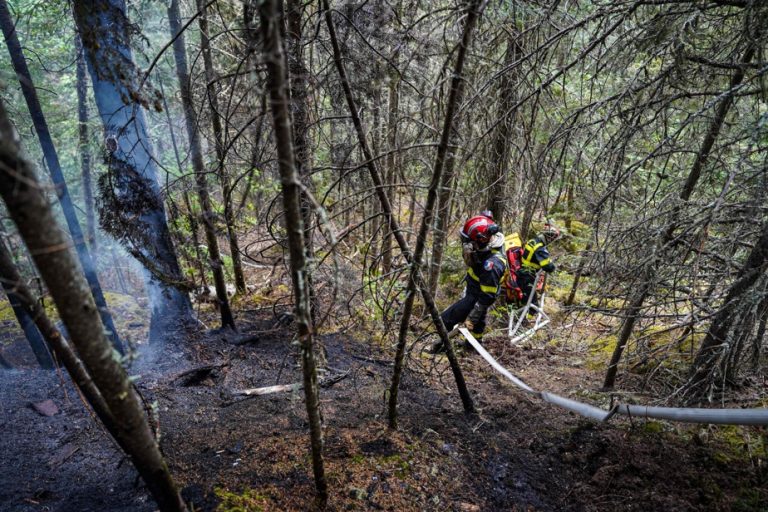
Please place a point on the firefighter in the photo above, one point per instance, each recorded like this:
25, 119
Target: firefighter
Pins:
536, 257
483, 252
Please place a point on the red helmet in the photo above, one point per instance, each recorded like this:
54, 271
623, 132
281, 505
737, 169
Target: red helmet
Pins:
479, 229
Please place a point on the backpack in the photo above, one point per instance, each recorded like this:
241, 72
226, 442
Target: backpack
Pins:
514, 254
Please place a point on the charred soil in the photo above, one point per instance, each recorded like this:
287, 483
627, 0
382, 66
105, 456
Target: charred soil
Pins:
234, 452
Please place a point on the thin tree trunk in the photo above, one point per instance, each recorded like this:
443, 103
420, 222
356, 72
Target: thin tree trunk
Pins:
667, 236
190, 117
48, 245
54, 167
212, 92
298, 78
386, 207
445, 197
454, 100
55, 341
390, 171
11, 283
579, 273
192, 218
276, 73
138, 210
85, 154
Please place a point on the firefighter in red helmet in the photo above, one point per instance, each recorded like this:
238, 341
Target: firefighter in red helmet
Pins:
483, 251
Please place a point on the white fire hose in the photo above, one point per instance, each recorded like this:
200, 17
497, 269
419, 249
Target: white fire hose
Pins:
686, 415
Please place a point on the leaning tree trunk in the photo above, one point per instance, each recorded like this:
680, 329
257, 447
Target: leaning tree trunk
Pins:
454, 100
716, 342
276, 80
636, 303
132, 197
11, 283
54, 167
48, 245
198, 167
55, 341
85, 153
212, 92
445, 196
386, 207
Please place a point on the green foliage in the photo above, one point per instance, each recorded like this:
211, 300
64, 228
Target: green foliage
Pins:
248, 500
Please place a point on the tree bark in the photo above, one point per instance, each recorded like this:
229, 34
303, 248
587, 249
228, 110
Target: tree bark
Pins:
276, 78
212, 92
198, 167
85, 154
445, 197
579, 272
11, 283
298, 78
55, 341
497, 197
54, 167
386, 207
390, 163
49, 247
137, 209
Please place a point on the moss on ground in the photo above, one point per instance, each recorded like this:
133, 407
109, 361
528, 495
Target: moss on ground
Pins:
248, 500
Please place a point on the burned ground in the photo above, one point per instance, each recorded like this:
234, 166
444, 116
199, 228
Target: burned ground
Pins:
228, 451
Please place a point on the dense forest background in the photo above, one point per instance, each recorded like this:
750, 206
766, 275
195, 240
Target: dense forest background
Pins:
227, 171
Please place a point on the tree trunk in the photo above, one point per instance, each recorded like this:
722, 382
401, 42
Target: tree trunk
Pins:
445, 197
47, 243
54, 167
85, 154
212, 92
198, 167
298, 77
579, 272
390, 172
136, 210
386, 207
55, 341
276, 73
12, 282
668, 235
454, 101
497, 197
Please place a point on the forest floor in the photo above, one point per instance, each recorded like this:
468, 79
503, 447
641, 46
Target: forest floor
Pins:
234, 453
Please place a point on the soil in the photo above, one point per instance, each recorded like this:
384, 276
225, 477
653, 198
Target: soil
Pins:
231, 452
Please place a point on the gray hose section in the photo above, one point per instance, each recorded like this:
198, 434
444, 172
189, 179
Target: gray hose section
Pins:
685, 415
693, 415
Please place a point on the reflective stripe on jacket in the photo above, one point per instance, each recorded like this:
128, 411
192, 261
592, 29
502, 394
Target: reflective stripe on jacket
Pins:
536, 256
484, 277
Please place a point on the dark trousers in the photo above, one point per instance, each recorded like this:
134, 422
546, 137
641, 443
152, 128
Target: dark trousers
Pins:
460, 310
525, 281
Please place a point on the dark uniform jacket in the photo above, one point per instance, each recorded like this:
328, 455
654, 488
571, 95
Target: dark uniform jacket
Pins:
535, 257
484, 276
